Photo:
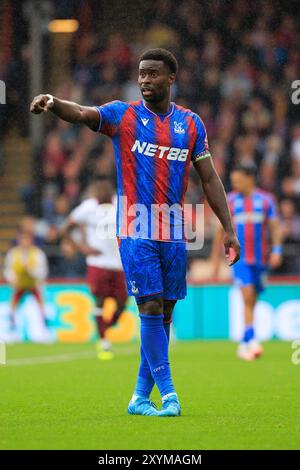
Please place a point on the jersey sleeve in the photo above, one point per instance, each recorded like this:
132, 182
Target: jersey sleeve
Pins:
80, 215
201, 148
110, 116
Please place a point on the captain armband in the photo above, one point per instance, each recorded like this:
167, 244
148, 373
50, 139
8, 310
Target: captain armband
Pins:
201, 156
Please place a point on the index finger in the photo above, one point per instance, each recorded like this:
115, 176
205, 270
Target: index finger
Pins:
236, 255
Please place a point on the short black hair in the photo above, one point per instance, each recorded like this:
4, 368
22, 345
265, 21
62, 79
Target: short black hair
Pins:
248, 168
161, 54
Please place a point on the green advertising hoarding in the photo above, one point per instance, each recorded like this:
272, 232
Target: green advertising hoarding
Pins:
211, 311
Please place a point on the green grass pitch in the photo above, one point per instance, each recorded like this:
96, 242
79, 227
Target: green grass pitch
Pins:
63, 397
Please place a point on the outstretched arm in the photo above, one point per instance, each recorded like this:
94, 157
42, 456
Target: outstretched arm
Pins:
215, 193
66, 110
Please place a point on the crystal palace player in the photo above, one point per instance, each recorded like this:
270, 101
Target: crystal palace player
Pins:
255, 216
154, 142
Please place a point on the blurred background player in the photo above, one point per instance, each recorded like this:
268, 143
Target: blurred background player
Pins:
255, 216
96, 217
25, 268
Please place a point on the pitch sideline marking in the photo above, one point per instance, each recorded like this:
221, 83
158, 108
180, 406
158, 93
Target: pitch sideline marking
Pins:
68, 357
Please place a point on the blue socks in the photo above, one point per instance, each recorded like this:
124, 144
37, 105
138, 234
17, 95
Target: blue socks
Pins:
167, 327
154, 357
248, 335
145, 382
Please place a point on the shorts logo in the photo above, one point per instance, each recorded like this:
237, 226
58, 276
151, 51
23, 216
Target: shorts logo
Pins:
178, 128
134, 289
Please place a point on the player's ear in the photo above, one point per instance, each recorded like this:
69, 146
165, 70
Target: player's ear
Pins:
172, 78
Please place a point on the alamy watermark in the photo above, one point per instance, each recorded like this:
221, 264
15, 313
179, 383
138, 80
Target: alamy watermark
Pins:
176, 222
296, 354
2, 92
295, 96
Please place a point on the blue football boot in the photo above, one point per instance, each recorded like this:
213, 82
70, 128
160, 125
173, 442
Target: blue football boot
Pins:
170, 406
142, 406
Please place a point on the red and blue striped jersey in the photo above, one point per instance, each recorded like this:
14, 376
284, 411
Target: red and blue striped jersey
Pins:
251, 215
153, 154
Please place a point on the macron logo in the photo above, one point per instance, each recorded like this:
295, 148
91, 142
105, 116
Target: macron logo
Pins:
145, 121
151, 150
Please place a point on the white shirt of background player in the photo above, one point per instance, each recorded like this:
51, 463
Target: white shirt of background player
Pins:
99, 222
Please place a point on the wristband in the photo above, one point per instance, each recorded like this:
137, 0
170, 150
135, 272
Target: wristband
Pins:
277, 250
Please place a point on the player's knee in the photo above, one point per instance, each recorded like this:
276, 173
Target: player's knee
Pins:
168, 310
151, 307
167, 317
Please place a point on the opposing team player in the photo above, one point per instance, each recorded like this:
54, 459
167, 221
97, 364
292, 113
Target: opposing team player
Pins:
96, 215
256, 221
25, 268
154, 140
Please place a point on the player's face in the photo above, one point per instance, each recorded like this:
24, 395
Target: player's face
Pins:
155, 80
241, 182
25, 240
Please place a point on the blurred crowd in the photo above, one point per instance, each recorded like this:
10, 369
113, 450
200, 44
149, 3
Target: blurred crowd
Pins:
237, 61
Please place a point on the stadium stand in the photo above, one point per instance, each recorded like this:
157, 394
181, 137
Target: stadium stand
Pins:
236, 74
